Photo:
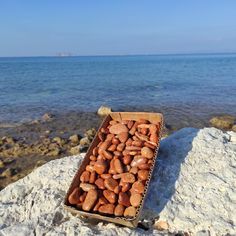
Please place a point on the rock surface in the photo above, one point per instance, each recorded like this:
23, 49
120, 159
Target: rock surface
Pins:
192, 190
223, 122
104, 111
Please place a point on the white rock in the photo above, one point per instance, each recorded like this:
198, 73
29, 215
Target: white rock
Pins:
193, 189
104, 111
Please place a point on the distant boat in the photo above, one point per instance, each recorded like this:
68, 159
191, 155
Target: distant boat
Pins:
64, 54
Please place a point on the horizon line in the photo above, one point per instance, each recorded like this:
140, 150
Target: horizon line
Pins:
123, 55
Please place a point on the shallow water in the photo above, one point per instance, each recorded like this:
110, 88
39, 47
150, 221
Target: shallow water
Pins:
182, 86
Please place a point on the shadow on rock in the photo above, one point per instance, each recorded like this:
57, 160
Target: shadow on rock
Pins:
172, 153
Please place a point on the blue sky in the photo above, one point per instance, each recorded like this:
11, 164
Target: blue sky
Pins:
109, 27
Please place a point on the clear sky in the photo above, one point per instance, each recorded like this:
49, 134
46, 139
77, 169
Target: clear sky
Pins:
116, 27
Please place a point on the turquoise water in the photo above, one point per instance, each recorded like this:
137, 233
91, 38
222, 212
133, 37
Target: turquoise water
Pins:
182, 85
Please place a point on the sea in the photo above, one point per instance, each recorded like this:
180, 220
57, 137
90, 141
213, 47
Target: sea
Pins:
183, 87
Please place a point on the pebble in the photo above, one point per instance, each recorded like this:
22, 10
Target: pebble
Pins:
1, 164
104, 111
74, 138
161, 225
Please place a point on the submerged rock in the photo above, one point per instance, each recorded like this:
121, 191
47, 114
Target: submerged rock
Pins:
90, 134
54, 152
85, 141
47, 117
74, 139
104, 111
75, 150
223, 122
59, 141
1, 164
192, 190
9, 172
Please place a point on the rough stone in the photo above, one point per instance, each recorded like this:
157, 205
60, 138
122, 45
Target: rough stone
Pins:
54, 152
85, 141
59, 141
75, 150
104, 111
74, 139
47, 117
1, 164
161, 225
192, 188
223, 122
90, 133
6, 173
234, 128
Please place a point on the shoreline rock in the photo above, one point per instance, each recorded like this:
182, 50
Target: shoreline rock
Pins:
223, 122
192, 191
104, 111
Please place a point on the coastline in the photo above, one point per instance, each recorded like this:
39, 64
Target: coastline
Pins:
26, 146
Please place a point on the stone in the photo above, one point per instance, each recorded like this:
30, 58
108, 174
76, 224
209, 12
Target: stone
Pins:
34, 122
234, 128
74, 139
161, 225
232, 136
75, 150
85, 141
90, 133
192, 188
18, 176
51, 146
1, 164
40, 163
59, 141
54, 152
46, 141
47, 117
6, 173
8, 140
104, 111
223, 122
8, 160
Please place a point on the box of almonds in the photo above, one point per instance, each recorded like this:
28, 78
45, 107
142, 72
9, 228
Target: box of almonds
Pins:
113, 179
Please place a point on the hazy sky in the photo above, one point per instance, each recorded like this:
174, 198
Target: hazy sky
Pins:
105, 27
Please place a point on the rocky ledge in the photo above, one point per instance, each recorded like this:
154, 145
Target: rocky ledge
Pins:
192, 192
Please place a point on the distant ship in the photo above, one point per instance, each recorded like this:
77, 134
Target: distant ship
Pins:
64, 54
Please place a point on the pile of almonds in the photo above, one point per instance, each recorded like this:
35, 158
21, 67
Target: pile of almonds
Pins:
114, 180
